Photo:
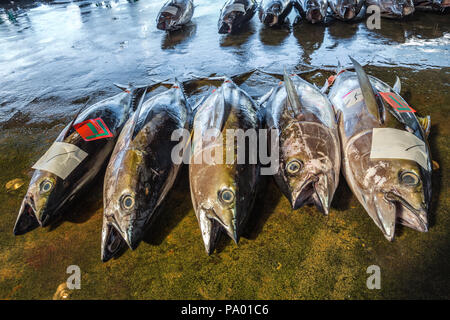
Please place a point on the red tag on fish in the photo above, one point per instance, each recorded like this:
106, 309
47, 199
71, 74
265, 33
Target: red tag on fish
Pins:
396, 102
93, 129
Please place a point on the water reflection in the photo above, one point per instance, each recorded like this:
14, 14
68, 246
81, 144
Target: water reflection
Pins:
310, 38
172, 39
274, 36
238, 39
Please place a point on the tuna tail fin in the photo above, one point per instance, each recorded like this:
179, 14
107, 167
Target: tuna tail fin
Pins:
293, 98
367, 90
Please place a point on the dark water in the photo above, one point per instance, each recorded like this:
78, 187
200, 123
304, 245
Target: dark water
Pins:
56, 54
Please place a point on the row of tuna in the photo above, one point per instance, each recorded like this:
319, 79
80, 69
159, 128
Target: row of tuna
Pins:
382, 149
236, 13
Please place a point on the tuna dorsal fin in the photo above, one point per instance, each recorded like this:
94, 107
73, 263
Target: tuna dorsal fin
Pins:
137, 113
397, 85
75, 118
370, 99
293, 98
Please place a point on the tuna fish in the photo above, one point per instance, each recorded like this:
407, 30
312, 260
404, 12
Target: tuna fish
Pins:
235, 14
312, 10
274, 12
48, 192
309, 145
175, 14
141, 171
222, 194
392, 188
393, 8
432, 5
345, 10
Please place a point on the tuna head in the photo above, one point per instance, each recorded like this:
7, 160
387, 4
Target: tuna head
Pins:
233, 15
44, 197
391, 190
126, 199
172, 14
346, 9
214, 194
272, 12
307, 173
395, 8
316, 10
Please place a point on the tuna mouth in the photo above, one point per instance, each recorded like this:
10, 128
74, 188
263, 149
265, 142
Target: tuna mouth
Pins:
271, 19
348, 13
226, 27
314, 15
166, 23
314, 191
407, 215
112, 243
26, 220
408, 10
211, 225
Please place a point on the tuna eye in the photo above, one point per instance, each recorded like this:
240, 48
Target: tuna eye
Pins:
127, 202
46, 186
294, 166
226, 196
409, 178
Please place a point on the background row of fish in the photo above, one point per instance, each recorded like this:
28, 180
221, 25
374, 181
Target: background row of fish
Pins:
317, 134
236, 13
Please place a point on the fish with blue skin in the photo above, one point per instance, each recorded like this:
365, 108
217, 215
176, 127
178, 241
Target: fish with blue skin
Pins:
274, 12
175, 14
345, 10
222, 194
48, 192
310, 155
393, 8
235, 14
392, 189
313, 11
141, 171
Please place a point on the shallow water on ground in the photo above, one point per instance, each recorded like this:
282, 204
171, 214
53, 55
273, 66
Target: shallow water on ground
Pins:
54, 55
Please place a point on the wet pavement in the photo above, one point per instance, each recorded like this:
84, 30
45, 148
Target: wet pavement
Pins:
55, 55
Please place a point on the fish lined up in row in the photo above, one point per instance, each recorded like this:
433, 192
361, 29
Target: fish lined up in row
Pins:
383, 150
273, 13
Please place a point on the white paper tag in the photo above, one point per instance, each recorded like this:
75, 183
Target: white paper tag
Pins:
171, 10
61, 159
388, 143
235, 7
353, 97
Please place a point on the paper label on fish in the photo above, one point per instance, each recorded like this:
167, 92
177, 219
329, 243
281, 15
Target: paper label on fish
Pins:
388, 143
170, 9
93, 129
396, 102
61, 159
239, 7
353, 97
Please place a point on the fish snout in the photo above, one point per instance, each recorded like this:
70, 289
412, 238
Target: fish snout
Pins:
347, 12
314, 15
27, 219
112, 242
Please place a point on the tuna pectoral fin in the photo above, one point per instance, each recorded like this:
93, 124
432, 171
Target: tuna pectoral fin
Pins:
368, 93
26, 220
112, 242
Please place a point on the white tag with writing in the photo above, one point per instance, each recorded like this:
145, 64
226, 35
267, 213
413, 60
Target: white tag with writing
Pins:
61, 159
388, 143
